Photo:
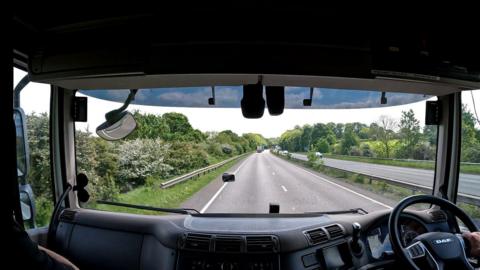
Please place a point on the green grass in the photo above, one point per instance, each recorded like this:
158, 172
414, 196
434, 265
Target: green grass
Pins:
399, 163
384, 189
428, 165
155, 196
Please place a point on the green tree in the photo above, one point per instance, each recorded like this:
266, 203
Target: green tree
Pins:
409, 133
322, 146
149, 126
141, 158
306, 138
350, 139
290, 140
430, 134
470, 142
385, 133
180, 129
39, 176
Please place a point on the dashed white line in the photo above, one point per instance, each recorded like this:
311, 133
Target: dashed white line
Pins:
284, 188
220, 190
344, 188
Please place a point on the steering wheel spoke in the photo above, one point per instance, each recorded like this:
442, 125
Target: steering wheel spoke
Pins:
416, 250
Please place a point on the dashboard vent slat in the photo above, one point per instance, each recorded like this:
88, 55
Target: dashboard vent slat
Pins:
199, 242
67, 215
228, 244
262, 244
335, 231
317, 236
438, 216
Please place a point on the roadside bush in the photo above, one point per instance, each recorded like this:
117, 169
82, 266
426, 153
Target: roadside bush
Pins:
139, 159
471, 154
183, 157
44, 209
322, 146
214, 149
312, 159
355, 151
239, 149
102, 188
227, 149
366, 150
403, 152
424, 151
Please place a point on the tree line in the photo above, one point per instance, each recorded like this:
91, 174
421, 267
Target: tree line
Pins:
385, 138
162, 147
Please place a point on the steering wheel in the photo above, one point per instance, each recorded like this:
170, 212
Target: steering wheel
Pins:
442, 250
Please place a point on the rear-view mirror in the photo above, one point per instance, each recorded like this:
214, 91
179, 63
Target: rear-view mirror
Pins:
228, 177
121, 128
21, 142
120, 123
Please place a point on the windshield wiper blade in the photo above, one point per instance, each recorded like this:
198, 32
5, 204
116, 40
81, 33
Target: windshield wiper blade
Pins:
349, 211
184, 211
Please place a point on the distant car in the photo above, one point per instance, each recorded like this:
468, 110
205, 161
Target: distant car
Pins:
318, 154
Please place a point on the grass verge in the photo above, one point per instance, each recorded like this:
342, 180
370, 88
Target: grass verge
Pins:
155, 196
381, 188
428, 165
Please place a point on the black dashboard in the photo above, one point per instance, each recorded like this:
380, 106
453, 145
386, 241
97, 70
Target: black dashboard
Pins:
104, 240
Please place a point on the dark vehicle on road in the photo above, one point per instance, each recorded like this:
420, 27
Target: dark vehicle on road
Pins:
136, 137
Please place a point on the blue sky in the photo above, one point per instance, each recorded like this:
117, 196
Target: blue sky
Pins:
230, 96
35, 98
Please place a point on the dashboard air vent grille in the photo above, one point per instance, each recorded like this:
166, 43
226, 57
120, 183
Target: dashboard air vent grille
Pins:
67, 215
200, 242
317, 236
438, 216
228, 244
335, 231
262, 243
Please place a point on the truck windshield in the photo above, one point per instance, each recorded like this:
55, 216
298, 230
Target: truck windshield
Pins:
350, 154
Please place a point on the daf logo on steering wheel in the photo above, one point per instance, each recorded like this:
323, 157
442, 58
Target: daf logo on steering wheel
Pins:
442, 241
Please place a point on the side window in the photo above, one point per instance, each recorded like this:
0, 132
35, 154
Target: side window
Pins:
33, 162
469, 180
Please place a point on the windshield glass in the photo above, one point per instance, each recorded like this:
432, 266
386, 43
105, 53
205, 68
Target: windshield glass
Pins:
346, 151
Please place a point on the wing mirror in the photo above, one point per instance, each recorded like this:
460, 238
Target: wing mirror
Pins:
22, 144
27, 204
120, 123
228, 177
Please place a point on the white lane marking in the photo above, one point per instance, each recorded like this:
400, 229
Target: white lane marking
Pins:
273, 173
284, 188
241, 165
344, 188
220, 190
213, 198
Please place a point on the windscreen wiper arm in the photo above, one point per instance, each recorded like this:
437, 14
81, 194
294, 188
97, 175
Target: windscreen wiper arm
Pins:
184, 211
349, 211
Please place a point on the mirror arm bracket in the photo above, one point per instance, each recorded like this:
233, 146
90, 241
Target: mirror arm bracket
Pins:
113, 116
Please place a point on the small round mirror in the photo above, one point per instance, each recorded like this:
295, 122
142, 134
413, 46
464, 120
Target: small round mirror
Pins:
119, 129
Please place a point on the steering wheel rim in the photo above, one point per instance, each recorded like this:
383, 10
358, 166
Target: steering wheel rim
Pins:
393, 223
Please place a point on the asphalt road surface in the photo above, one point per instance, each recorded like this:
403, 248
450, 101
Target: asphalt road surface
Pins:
263, 178
469, 183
